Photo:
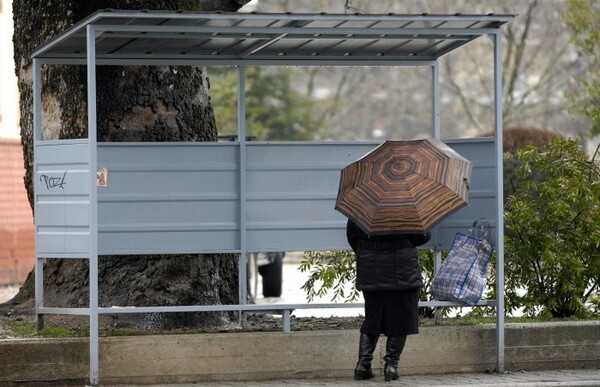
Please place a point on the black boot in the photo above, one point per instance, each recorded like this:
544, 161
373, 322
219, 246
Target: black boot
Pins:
393, 349
367, 345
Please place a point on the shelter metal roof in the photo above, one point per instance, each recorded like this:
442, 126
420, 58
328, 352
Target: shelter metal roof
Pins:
221, 38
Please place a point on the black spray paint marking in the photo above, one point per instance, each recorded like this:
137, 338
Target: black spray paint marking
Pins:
54, 182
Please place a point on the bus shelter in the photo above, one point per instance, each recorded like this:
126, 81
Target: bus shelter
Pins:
237, 197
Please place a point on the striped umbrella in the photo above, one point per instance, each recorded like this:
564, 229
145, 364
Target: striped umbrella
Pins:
404, 187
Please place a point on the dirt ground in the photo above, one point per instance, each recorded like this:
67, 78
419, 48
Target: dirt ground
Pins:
18, 321
12, 325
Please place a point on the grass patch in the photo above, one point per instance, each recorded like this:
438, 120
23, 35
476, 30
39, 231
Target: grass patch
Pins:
480, 320
25, 330
61, 332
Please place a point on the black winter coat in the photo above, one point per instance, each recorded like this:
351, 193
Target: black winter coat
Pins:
386, 262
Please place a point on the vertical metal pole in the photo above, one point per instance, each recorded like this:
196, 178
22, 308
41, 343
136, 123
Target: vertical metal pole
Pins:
437, 262
37, 137
287, 326
435, 100
435, 123
497, 40
241, 119
93, 258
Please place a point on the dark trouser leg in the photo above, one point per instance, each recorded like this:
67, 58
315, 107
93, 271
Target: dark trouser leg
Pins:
365, 356
393, 349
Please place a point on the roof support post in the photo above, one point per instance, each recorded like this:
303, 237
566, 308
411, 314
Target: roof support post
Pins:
93, 225
241, 122
497, 41
435, 124
435, 99
37, 99
37, 137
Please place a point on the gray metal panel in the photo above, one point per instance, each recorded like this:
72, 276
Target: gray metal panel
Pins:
183, 198
218, 37
292, 188
168, 198
481, 152
61, 183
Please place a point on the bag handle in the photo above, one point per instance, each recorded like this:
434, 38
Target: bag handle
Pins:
484, 228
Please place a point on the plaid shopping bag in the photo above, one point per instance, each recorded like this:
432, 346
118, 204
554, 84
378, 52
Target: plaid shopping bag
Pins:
462, 275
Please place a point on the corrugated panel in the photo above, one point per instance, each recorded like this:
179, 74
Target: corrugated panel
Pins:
292, 190
168, 198
482, 204
221, 37
62, 190
184, 198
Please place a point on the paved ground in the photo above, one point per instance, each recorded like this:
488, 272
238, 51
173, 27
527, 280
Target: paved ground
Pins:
570, 378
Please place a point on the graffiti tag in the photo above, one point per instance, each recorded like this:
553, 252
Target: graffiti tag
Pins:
54, 182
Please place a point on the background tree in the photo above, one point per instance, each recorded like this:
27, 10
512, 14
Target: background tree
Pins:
387, 102
133, 104
553, 231
275, 109
583, 18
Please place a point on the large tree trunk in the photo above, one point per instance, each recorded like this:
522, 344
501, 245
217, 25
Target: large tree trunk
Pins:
134, 104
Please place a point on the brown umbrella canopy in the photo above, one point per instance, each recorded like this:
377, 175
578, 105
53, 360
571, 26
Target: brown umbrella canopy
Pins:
404, 186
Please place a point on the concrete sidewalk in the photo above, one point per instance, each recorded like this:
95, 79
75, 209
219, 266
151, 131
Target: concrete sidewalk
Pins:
570, 378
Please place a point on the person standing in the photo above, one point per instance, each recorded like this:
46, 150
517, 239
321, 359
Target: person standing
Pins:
388, 274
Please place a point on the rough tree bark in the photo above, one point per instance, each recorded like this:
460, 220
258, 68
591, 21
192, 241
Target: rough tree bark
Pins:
133, 104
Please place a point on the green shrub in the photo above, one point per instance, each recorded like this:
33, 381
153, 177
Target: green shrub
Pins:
330, 271
335, 272
552, 243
